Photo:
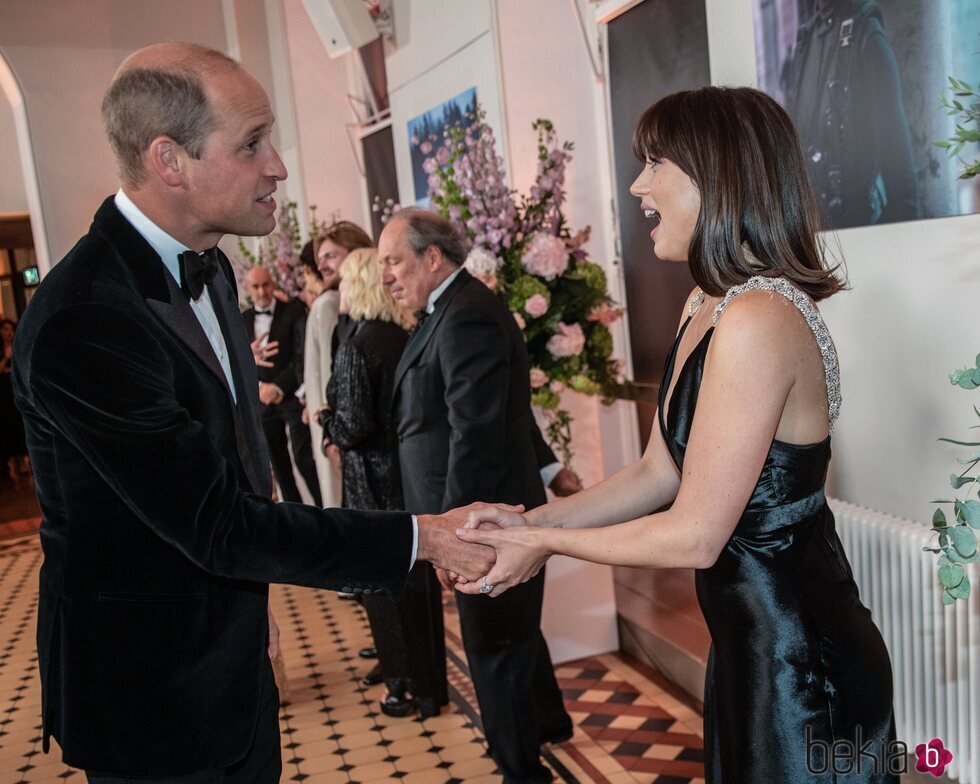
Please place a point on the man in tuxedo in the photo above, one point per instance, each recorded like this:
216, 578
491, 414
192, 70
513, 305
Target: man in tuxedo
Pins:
283, 323
135, 377
465, 433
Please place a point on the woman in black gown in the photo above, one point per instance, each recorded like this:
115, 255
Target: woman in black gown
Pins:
359, 420
749, 397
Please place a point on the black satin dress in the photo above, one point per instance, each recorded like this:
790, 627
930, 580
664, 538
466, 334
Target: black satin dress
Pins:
792, 645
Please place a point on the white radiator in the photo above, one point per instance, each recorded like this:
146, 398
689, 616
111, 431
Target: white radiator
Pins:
935, 650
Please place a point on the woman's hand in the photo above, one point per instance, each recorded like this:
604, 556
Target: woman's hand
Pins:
521, 552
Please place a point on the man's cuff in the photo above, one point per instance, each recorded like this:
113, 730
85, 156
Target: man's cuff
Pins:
415, 541
549, 472
300, 392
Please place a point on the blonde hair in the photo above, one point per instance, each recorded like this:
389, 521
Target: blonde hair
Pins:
367, 297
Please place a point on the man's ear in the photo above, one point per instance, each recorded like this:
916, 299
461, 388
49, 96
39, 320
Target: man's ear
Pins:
165, 158
433, 257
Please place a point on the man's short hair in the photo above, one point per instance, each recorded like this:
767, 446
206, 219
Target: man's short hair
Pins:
144, 103
426, 229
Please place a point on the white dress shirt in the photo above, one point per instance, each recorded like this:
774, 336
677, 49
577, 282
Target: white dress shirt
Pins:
169, 250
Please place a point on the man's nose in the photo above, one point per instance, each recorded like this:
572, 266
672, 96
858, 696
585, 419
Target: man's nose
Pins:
275, 167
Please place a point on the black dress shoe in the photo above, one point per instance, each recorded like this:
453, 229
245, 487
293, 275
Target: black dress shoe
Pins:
559, 735
368, 653
373, 677
400, 705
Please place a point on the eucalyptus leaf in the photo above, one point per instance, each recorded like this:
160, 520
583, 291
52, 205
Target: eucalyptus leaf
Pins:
959, 443
948, 598
955, 557
939, 518
951, 575
962, 590
957, 481
943, 560
963, 539
971, 513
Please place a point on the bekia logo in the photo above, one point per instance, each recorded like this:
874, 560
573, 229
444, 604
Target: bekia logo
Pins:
932, 757
873, 756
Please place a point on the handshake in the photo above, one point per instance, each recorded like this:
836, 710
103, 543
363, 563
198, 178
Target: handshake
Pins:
485, 548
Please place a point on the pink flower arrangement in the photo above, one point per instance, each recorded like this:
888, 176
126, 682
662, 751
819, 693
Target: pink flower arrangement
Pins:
568, 341
545, 256
604, 313
536, 306
524, 250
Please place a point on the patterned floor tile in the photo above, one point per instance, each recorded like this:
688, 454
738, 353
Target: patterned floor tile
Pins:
631, 725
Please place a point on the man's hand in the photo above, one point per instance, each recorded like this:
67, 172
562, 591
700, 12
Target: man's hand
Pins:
269, 394
565, 483
439, 545
262, 352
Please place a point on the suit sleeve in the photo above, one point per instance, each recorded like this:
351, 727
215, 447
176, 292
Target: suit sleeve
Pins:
289, 375
108, 386
352, 415
475, 364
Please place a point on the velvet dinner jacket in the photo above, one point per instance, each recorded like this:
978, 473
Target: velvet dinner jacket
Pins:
289, 329
463, 404
158, 534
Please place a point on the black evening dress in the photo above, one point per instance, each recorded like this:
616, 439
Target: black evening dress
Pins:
407, 632
796, 661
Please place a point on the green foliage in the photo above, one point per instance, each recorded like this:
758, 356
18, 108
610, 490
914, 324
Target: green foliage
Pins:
957, 539
965, 106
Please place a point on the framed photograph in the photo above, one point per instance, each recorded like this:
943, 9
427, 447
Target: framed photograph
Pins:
421, 107
862, 82
426, 135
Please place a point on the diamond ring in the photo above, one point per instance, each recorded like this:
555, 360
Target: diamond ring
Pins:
485, 587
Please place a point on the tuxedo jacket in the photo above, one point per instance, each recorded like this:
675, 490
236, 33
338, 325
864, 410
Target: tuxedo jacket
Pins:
289, 328
463, 402
158, 532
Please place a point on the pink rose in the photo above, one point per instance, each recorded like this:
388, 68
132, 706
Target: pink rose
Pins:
538, 378
567, 342
536, 306
545, 255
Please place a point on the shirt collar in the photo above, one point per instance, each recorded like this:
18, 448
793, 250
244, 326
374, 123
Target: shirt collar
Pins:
167, 248
271, 307
434, 296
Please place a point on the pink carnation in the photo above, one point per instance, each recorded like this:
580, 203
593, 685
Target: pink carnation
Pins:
604, 313
538, 378
536, 306
568, 342
545, 255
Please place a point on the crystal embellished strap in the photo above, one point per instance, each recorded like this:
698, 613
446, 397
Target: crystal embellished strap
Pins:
809, 312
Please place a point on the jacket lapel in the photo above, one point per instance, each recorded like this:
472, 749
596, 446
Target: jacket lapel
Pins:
418, 341
171, 306
255, 455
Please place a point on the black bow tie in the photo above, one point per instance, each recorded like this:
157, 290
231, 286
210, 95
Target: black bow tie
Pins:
196, 271
259, 312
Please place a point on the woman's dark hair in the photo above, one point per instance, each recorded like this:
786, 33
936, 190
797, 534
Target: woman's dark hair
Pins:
740, 149
308, 260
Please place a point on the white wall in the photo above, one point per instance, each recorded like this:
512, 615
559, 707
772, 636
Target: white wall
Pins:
320, 85
13, 197
910, 317
63, 55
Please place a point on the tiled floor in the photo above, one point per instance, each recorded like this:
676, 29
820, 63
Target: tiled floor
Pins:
631, 726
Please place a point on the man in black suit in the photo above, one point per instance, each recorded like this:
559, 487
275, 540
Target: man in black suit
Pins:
135, 377
283, 323
462, 395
